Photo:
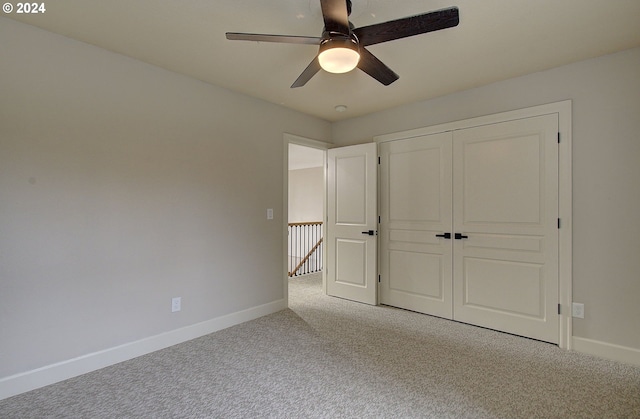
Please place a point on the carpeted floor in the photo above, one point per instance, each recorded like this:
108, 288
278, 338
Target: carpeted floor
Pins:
327, 357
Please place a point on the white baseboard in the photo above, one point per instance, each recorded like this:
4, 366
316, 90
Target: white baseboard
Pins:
50, 374
607, 350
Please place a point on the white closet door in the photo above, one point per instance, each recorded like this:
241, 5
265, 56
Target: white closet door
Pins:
416, 199
506, 210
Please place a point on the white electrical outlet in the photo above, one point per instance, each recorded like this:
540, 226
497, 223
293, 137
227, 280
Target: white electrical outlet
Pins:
269, 213
577, 310
175, 304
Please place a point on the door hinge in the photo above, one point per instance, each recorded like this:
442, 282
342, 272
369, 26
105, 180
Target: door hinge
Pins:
378, 219
558, 308
378, 278
558, 138
378, 159
558, 223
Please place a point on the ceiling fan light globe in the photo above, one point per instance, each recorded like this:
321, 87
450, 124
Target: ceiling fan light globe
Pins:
338, 59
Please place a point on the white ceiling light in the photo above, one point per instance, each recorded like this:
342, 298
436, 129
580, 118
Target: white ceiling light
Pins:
339, 55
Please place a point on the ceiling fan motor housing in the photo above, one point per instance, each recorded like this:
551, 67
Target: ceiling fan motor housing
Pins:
338, 40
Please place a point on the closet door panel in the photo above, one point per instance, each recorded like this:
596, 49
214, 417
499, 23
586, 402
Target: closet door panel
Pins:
505, 212
415, 264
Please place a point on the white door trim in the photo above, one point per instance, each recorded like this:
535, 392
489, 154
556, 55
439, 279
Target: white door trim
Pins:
307, 142
563, 109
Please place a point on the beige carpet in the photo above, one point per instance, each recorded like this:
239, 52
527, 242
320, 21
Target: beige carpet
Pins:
327, 357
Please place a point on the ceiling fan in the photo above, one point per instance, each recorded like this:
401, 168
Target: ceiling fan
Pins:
342, 46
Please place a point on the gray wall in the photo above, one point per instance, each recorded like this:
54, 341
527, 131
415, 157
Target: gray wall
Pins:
123, 185
606, 174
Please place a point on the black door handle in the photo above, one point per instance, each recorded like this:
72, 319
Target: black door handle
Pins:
370, 232
445, 235
459, 236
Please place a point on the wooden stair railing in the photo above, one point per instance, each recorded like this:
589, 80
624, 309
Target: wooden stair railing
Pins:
301, 236
304, 260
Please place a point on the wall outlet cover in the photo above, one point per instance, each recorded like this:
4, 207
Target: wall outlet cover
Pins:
176, 304
577, 310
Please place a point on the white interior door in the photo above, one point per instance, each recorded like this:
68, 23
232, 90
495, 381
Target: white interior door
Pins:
352, 223
506, 210
416, 224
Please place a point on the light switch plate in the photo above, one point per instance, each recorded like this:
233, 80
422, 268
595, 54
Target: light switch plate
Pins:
269, 213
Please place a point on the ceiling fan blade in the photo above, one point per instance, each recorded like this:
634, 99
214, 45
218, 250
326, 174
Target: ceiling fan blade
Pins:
335, 14
376, 68
285, 39
408, 26
308, 72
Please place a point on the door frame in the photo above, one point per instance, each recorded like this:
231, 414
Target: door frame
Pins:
563, 110
306, 142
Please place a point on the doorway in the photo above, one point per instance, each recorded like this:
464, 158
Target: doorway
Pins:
305, 208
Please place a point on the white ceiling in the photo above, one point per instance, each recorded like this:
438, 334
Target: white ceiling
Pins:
495, 40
